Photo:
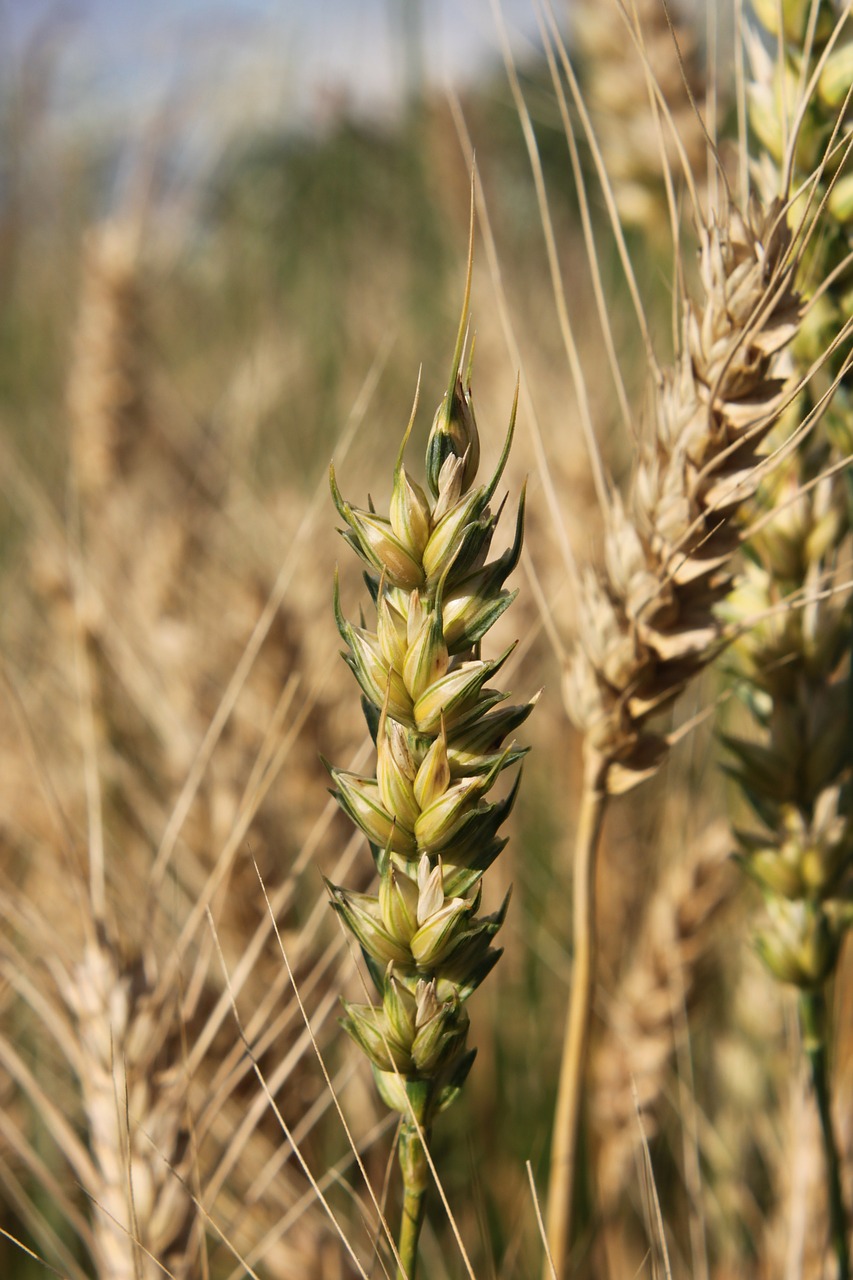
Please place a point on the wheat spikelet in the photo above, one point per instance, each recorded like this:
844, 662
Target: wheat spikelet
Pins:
636, 1048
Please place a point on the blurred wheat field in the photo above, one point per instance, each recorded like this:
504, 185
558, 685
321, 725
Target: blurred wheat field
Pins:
176, 1096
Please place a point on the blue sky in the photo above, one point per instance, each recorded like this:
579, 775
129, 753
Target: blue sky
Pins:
229, 64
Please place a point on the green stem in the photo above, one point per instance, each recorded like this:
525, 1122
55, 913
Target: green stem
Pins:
564, 1143
415, 1171
813, 1023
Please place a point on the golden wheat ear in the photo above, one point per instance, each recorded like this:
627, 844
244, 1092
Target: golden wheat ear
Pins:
648, 624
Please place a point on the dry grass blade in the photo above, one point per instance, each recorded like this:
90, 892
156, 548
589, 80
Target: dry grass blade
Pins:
555, 509
389, 1236
540, 1221
19, 1244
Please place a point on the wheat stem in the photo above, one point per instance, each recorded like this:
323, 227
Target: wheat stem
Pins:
564, 1143
813, 1023
415, 1172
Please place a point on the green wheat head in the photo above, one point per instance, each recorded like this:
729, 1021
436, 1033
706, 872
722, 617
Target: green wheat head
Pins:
440, 734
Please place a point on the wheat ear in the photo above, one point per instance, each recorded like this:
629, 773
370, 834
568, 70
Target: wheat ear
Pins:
439, 734
647, 625
138, 1068
135, 1112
